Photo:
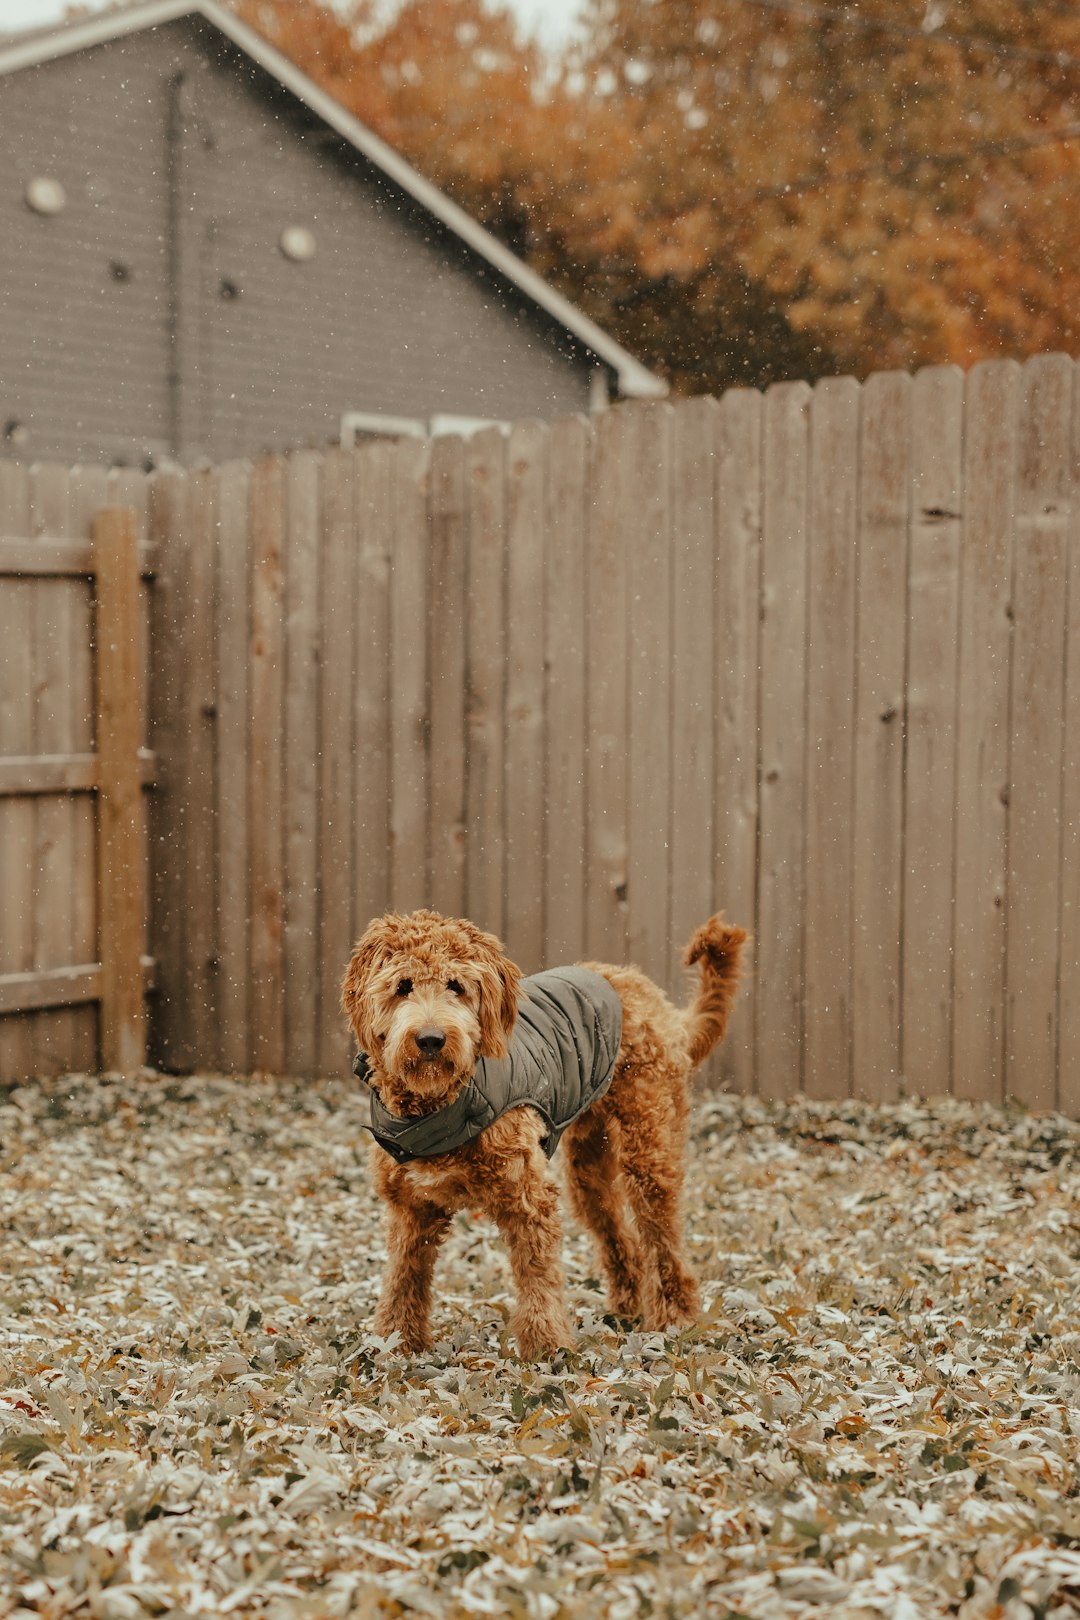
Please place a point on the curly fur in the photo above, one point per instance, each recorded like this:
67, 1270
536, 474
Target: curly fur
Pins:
421, 976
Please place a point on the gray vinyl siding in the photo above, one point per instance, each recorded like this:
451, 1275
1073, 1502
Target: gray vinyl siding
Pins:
184, 162
84, 358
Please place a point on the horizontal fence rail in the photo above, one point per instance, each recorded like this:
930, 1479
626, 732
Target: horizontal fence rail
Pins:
811, 656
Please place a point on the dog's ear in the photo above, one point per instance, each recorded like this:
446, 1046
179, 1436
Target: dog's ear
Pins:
500, 984
368, 954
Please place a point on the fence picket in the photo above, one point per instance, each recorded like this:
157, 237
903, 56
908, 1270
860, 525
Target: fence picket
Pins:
649, 679
170, 1030
878, 817
783, 768
830, 731
62, 724
737, 546
606, 776
992, 408
301, 759
1039, 601
17, 639
121, 820
92, 489
446, 631
566, 732
340, 782
485, 485
265, 804
130, 487
933, 637
526, 466
1069, 989
693, 651
199, 687
232, 808
409, 680
371, 536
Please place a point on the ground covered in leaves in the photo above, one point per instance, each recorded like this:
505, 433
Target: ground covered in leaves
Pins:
878, 1414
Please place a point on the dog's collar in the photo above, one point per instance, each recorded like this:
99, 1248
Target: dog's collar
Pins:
425, 1135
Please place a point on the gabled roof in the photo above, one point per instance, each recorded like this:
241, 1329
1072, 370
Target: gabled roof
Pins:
43, 46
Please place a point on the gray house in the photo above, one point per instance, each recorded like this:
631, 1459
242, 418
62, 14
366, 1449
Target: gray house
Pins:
202, 254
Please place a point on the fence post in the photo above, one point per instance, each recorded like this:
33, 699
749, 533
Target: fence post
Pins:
121, 815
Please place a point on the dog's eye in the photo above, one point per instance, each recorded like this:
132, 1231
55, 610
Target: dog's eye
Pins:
458, 989
404, 987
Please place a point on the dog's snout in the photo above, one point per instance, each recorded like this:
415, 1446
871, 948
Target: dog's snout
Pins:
430, 1040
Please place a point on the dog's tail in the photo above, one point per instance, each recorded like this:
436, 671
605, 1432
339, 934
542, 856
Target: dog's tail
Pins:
717, 946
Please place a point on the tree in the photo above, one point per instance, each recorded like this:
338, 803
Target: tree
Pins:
885, 182
742, 190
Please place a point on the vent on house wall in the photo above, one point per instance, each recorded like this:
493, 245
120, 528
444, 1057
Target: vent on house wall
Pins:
45, 196
356, 425
297, 243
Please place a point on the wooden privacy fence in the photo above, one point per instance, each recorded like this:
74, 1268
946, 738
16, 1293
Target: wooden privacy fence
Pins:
812, 655
72, 662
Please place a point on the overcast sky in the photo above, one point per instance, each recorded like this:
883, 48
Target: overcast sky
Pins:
550, 19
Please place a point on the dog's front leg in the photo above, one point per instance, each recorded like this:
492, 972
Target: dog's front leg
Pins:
415, 1229
528, 1218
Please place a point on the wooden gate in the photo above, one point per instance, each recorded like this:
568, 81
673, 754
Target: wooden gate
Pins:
72, 822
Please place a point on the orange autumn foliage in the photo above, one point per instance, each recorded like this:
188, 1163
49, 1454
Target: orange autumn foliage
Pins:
743, 190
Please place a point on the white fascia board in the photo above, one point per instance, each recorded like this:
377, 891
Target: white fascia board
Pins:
97, 30
635, 380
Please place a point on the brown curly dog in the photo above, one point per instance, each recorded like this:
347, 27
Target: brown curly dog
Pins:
433, 1003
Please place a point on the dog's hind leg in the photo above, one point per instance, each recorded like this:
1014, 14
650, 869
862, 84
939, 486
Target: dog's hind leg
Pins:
597, 1197
415, 1232
653, 1170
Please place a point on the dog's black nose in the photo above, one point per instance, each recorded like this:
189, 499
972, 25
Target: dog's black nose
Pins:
430, 1041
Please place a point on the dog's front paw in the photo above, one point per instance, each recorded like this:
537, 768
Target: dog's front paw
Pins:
413, 1338
415, 1344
